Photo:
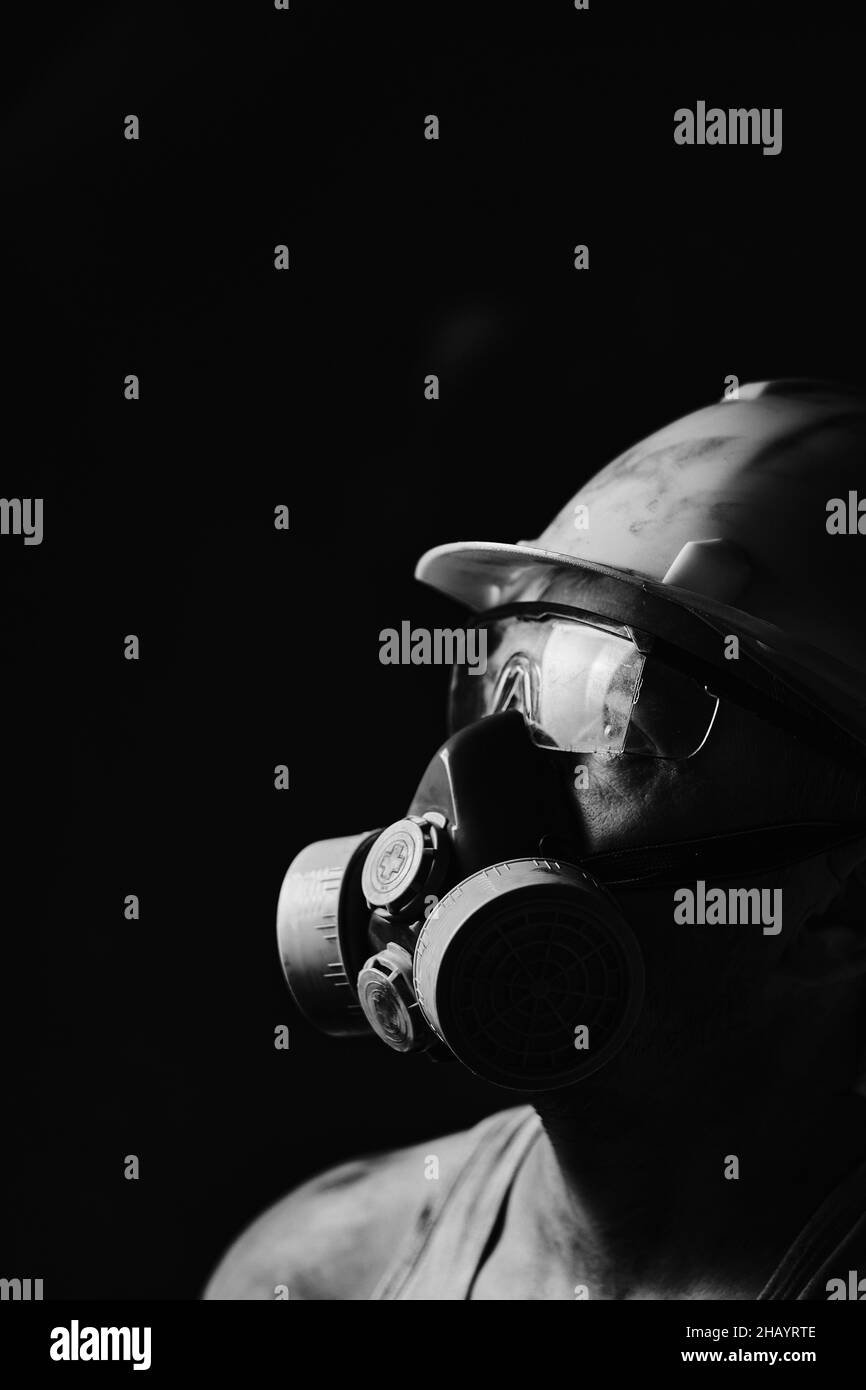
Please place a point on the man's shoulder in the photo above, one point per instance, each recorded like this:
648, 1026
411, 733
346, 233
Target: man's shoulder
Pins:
333, 1237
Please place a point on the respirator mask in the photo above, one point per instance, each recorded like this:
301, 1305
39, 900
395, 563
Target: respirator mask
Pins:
479, 922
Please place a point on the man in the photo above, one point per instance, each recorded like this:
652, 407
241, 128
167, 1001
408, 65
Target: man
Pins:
646, 841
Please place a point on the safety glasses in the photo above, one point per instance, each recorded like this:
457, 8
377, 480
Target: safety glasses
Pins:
584, 685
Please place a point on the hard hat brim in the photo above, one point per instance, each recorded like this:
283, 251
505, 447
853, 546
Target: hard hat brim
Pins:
486, 574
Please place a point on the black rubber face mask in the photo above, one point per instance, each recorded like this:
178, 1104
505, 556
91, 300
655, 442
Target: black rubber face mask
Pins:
480, 923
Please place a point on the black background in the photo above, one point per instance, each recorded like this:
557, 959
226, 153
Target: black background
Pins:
306, 388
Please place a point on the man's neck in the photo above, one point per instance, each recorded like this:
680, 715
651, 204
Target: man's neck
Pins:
647, 1196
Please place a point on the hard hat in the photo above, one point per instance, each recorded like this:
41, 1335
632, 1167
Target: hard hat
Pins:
732, 512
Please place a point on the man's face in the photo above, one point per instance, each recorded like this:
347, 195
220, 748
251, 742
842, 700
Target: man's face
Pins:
711, 989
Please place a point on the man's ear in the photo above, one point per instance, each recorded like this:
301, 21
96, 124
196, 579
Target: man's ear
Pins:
827, 953
830, 946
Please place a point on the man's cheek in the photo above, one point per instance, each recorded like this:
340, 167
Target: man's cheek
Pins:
619, 801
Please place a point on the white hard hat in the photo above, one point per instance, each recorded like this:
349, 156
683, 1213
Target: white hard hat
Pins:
727, 513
